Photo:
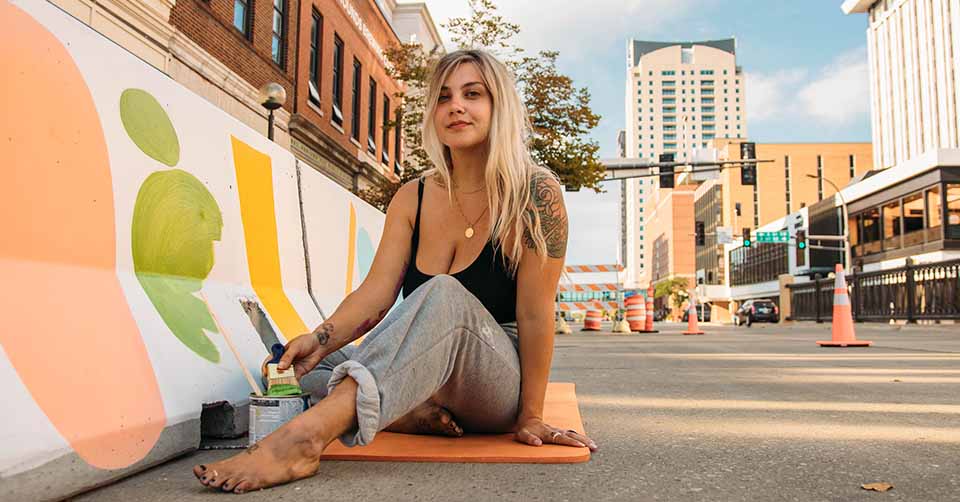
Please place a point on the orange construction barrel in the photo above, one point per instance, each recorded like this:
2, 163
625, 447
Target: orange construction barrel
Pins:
592, 321
636, 312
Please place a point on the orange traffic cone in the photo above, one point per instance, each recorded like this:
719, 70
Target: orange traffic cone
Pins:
843, 335
692, 328
649, 323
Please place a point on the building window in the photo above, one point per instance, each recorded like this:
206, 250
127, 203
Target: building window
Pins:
372, 118
853, 165
316, 32
355, 104
706, 72
241, 16
686, 55
384, 154
934, 211
786, 173
667, 73
278, 47
953, 211
819, 177
913, 220
891, 225
337, 79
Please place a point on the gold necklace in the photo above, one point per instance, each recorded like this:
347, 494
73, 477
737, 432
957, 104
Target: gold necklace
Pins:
468, 233
482, 188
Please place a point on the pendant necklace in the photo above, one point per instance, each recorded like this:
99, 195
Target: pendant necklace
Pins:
468, 233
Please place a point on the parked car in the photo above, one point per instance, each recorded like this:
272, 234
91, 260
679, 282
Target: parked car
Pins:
703, 313
756, 311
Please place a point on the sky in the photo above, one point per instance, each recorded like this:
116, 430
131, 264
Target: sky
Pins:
805, 65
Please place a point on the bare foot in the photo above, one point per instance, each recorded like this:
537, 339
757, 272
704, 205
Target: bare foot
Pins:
287, 455
428, 418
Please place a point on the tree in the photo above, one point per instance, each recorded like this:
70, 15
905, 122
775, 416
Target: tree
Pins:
674, 289
561, 118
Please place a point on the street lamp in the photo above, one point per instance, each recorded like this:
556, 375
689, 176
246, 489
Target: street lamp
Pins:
272, 96
845, 222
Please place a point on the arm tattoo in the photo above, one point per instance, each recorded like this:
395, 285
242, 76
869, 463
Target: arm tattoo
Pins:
323, 332
548, 202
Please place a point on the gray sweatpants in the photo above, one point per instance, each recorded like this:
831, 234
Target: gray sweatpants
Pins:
440, 342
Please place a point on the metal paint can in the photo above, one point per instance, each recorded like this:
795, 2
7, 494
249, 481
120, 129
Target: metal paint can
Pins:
269, 413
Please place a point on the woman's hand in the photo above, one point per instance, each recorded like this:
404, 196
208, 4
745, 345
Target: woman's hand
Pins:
305, 352
534, 432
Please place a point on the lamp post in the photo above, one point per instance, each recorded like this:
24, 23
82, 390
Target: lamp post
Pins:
272, 96
846, 222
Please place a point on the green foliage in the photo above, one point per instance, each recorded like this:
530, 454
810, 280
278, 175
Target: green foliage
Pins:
674, 288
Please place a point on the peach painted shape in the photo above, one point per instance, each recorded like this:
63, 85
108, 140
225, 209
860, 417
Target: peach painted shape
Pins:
68, 330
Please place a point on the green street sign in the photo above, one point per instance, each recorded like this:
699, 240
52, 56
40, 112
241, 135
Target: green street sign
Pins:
774, 237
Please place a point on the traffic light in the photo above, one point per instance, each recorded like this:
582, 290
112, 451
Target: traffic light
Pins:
748, 170
736, 207
747, 242
801, 239
666, 173
701, 237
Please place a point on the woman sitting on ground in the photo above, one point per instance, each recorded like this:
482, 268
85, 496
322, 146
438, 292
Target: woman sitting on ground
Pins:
477, 246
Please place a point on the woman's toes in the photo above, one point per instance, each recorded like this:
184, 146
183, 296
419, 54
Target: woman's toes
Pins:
218, 479
199, 470
228, 485
242, 487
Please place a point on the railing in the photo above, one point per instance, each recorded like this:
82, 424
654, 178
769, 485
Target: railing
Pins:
913, 292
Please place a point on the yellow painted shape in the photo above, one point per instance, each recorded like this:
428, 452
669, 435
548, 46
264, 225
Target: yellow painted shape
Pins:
258, 213
351, 250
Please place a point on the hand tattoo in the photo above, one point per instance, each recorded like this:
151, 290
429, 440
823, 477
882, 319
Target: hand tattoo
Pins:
323, 332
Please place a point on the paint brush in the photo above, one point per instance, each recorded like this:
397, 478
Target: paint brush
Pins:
236, 353
280, 383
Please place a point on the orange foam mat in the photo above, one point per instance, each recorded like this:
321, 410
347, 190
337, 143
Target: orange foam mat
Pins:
560, 410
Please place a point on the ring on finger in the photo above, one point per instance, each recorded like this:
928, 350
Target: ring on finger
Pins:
554, 435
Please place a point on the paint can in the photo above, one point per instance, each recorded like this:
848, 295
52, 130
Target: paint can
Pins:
269, 413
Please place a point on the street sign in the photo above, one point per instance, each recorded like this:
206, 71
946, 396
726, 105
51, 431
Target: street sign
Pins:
781, 236
724, 235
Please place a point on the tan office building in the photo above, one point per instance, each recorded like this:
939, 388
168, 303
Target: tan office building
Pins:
679, 97
799, 176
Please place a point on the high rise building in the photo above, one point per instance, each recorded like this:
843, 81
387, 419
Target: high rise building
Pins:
679, 97
912, 48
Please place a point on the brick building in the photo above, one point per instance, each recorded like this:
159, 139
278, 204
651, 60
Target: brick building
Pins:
327, 54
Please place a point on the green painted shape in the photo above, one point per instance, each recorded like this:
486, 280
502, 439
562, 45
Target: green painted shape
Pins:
175, 221
149, 126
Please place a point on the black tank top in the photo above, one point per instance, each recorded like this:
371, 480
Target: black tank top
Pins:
487, 277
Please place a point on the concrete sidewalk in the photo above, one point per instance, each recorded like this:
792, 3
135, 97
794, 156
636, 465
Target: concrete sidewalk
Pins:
738, 414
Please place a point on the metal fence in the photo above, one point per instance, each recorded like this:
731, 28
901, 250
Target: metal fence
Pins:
913, 292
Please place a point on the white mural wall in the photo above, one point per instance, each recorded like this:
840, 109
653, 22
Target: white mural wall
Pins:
140, 212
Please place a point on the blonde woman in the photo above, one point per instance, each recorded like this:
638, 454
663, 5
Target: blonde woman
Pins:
477, 246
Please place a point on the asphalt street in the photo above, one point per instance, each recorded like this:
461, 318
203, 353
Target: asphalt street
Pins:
760, 414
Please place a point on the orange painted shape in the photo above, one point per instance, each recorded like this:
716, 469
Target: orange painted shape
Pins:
559, 410
259, 216
68, 330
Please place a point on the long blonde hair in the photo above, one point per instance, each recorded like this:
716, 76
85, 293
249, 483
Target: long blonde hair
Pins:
510, 170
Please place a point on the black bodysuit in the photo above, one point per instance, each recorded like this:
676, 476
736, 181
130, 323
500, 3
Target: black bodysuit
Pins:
487, 277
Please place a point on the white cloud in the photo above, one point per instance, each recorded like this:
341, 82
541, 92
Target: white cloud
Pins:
575, 28
768, 95
840, 94
836, 95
